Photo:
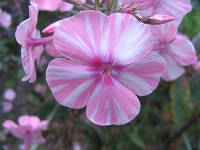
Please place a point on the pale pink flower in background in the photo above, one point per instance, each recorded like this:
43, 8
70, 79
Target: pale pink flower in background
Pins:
29, 129
48, 5
177, 52
139, 4
53, 5
197, 66
176, 8
9, 94
40, 88
29, 37
5, 19
6, 107
51, 50
110, 62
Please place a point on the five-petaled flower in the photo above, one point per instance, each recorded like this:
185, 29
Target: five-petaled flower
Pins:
109, 61
29, 129
176, 49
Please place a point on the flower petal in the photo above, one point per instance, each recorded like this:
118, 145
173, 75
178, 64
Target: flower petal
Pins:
51, 50
112, 103
48, 5
182, 52
70, 82
142, 77
9, 124
163, 34
28, 64
173, 70
118, 38
22, 31
26, 120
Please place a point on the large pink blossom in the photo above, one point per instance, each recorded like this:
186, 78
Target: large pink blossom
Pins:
5, 19
176, 50
110, 62
29, 37
29, 129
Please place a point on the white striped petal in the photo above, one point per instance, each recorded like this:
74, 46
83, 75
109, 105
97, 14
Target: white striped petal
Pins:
70, 82
142, 77
112, 103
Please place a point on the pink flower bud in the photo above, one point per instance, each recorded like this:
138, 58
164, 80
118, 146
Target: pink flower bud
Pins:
51, 28
126, 10
160, 19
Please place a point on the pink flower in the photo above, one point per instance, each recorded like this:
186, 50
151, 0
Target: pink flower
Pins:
176, 8
6, 107
177, 52
29, 129
9, 94
29, 37
5, 19
110, 62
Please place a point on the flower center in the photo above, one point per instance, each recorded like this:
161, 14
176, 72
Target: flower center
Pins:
106, 68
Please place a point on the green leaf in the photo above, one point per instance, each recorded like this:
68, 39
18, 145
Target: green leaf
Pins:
135, 139
195, 4
180, 95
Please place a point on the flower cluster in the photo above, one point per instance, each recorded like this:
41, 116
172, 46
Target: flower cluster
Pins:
108, 57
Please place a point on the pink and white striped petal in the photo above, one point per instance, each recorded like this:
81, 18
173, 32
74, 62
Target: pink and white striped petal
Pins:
33, 15
118, 38
162, 34
21, 33
112, 103
182, 52
173, 70
142, 77
28, 64
177, 8
71, 82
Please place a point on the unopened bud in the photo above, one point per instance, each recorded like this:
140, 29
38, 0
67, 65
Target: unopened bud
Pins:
126, 10
51, 28
160, 19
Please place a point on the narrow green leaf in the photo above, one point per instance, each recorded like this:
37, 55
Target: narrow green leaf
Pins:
180, 95
135, 139
186, 141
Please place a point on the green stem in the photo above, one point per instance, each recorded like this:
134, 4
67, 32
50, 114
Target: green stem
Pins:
50, 117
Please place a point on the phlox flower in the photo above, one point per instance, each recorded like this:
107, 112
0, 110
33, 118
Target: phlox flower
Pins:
5, 19
29, 37
109, 61
29, 129
177, 51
